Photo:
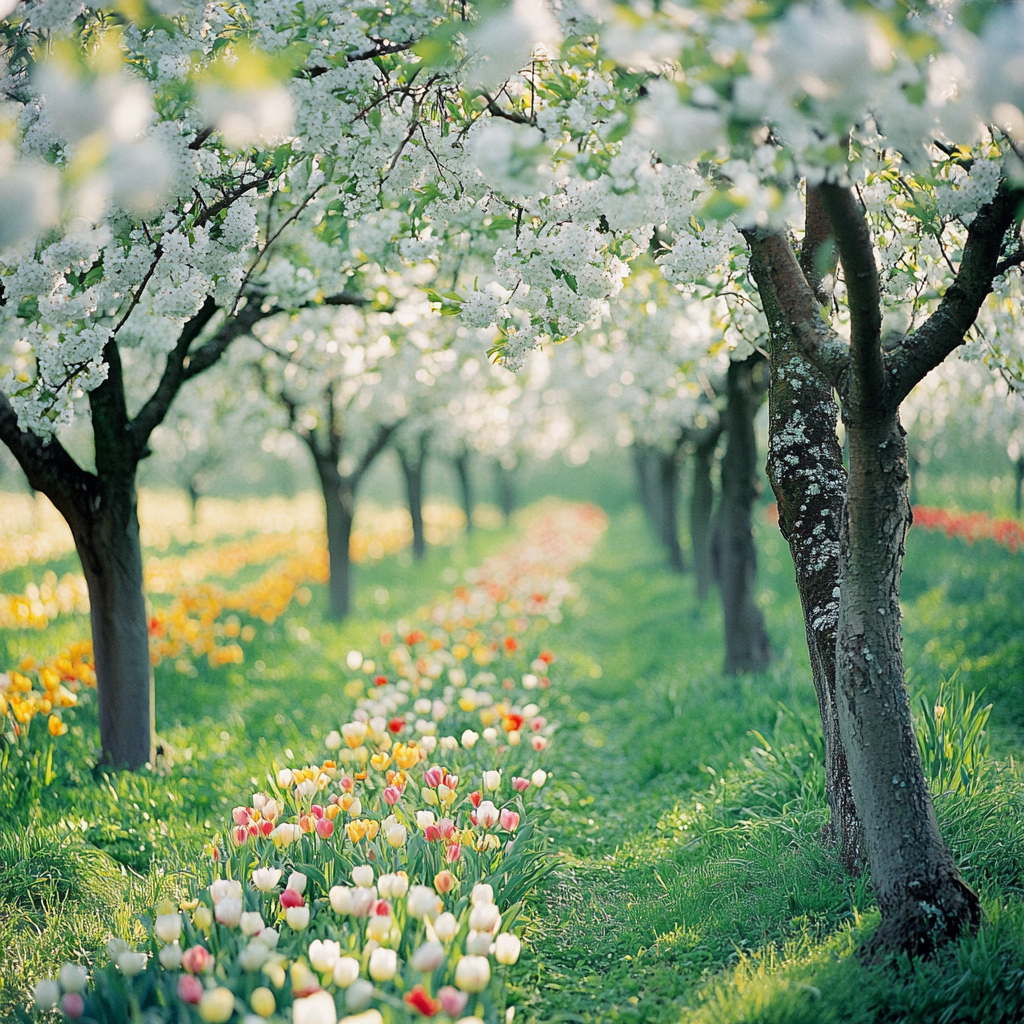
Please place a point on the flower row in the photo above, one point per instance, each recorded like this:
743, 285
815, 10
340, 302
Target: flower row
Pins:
970, 526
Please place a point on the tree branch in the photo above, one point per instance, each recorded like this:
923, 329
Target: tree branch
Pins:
864, 297
818, 342
46, 463
155, 409
947, 327
376, 446
235, 326
817, 255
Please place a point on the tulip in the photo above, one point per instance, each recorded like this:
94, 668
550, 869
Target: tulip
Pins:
430, 796
341, 899
363, 901
354, 733
252, 923
482, 893
378, 928
275, 972
484, 917
473, 973
396, 835
362, 875
475, 797
424, 818
444, 881
432, 833
478, 943
359, 993
538, 742
492, 780
486, 814
446, 926
297, 918
393, 886
366, 1017
45, 994
73, 978
225, 888
217, 1005
304, 981
284, 777
346, 971
383, 964
333, 741
452, 1001
315, 1009
418, 999
228, 912
434, 776
262, 1001
354, 660
507, 948
422, 901
520, 785
453, 853
491, 735
170, 957
392, 795
130, 963
509, 819
73, 1005
324, 828
190, 989
297, 882
323, 955
196, 959
266, 879
269, 938
240, 815
469, 739
253, 957
290, 898
428, 957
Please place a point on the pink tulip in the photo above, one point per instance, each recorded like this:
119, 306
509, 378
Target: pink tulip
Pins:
453, 853
266, 827
431, 833
317, 811
433, 777
190, 989
486, 814
392, 794
520, 785
381, 909
446, 827
73, 1005
324, 828
240, 815
451, 781
538, 743
291, 898
538, 723
453, 1002
196, 959
509, 820
475, 797
239, 835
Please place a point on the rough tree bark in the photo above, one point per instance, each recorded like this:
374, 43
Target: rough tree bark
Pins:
806, 472
922, 897
734, 556
101, 508
412, 469
702, 503
461, 464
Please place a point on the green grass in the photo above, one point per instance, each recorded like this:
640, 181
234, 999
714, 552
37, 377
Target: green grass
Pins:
686, 806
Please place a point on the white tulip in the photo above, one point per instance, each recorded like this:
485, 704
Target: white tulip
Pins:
130, 964
469, 739
266, 879
341, 899
478, 943
346, 971
422, 901
366, 1017
333, 741
74, 977
486, 814
169, 956
323, 955
167, 927
393, 886
226, 888
297, 918
473, 973
359, 994
482, 893
383, 964
446, 926
428, 957
507, 948
362, 875
492, 780
252, 923
315, 1009
45, 994
354, 660
539, 777
228, 912
297, 882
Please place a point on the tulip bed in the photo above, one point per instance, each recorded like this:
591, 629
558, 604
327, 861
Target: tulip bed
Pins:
668, 867
381, 882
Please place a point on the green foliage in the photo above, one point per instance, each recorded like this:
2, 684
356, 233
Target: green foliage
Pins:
952, 737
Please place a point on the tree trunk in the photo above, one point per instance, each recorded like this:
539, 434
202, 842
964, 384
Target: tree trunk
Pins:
702, 503
920, 893
734, 556
505, 486
461, 463
108, 544
412, 470
194, 495
1018, 494
339, 503
645, 485
668, 487
913, 469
